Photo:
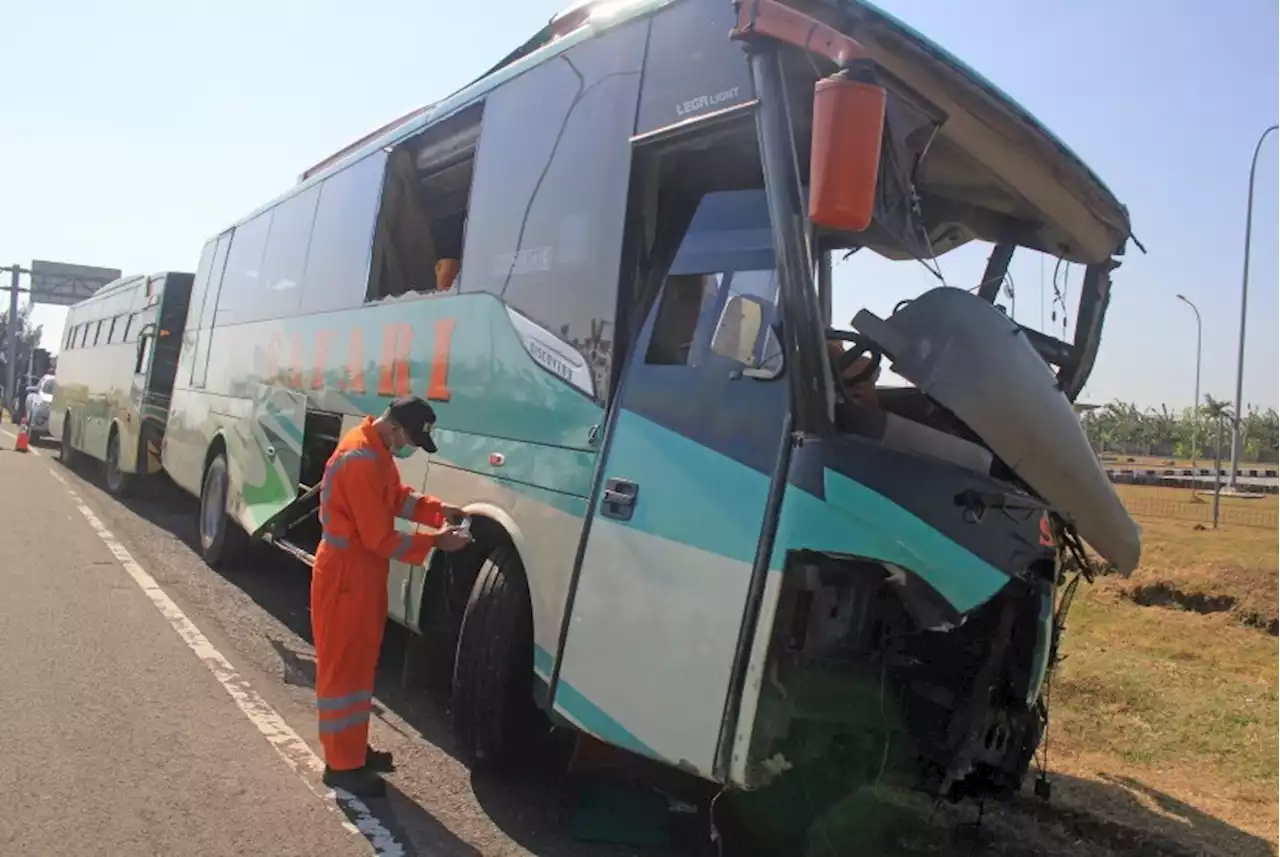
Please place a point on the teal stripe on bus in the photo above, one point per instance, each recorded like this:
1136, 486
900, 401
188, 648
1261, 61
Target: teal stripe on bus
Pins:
695, 496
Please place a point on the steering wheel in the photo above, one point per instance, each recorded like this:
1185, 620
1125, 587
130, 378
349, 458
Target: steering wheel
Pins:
858, 347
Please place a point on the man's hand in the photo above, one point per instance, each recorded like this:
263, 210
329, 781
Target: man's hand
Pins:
452, 514
452, 539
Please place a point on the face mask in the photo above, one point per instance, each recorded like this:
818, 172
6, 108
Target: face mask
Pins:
405, 451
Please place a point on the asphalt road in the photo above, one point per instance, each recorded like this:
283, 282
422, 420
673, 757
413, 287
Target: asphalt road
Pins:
151, 705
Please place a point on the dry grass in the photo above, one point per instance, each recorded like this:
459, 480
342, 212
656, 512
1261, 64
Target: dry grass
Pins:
1175, 710
1179, 710
1232, 569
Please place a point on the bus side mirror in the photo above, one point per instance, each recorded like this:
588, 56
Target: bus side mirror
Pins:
844, 162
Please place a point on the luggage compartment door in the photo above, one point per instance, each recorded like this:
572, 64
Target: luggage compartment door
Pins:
270, 459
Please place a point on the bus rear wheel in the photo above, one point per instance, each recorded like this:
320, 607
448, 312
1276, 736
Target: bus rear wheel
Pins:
221, 539
118, 482
492, 699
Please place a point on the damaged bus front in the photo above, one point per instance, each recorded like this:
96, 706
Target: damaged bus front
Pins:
902, 615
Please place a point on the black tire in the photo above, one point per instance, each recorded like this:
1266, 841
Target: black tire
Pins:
66, 452
222, 542
492, 699
116, 480
440, 618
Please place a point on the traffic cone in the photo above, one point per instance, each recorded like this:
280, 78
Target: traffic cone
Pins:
21, 444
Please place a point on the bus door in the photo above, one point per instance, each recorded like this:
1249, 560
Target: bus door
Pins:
271, 460
662, 587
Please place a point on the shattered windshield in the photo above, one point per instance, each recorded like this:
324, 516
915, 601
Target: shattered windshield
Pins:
1038, 292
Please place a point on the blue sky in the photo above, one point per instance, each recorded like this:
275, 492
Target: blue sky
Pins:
134, 130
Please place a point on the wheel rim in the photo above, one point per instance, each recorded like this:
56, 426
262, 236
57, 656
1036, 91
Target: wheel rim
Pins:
211, 505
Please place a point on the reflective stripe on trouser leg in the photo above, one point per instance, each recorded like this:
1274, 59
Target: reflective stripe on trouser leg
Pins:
344, 732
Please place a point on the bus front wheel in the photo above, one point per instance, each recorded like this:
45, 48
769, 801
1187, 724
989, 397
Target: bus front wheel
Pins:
221, 539
492, 701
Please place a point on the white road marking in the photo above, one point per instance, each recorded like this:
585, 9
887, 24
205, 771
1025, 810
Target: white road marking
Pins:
13, 437
296, 753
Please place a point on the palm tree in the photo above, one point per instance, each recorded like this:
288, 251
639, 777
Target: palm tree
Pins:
1216, 411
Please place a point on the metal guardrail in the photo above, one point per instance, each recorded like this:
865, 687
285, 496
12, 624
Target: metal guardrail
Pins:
1203, 481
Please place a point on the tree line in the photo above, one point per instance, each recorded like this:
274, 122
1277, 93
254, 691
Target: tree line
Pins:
1124, 428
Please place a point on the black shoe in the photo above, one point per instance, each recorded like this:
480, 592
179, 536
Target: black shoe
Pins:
379, 760
361, 782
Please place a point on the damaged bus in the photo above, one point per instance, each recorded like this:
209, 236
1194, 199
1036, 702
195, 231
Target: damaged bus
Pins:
608, 263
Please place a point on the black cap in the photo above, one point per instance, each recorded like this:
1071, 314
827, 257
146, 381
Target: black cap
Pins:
417, 418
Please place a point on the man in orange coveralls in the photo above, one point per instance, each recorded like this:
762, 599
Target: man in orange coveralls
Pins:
360, 498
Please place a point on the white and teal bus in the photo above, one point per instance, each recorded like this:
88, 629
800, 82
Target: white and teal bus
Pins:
116, 372
608, 263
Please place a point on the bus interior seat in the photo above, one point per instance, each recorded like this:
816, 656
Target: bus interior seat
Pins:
447, 273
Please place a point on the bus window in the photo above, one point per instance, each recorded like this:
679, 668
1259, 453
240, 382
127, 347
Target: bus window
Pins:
200, 286
97, 332
111, 331
404, 250
548, 207
68, 337
677, 320
692, 70
242, 281
84, 334
338, 258
143, 360
280, 287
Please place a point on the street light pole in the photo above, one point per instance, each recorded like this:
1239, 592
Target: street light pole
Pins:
11, 342
1244, 302
1195, 402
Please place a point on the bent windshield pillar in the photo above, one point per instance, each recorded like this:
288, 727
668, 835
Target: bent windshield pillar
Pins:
801, 326
1094, 297
807, 370
997, 267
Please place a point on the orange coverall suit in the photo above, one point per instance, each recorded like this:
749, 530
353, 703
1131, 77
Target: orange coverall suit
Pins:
360, 498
